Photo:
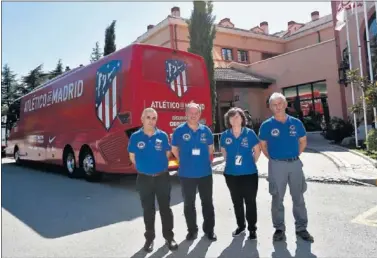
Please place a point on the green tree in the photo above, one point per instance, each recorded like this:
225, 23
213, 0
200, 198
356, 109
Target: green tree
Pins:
58, 70
110, 46
96, 53
369, 89
8, 85
202, 33
35, 78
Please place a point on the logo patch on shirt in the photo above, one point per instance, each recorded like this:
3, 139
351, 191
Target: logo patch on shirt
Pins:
203, 138
292, 130
228, 141
186, 137
141, 145
245, 142
158, 145
275, 132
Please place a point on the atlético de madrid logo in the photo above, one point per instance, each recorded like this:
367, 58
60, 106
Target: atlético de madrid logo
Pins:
107, 101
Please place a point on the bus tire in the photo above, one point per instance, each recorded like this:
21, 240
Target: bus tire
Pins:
70, 163
88, 166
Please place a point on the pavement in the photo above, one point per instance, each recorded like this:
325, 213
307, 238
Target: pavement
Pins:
351, 163
45, 214
325, 162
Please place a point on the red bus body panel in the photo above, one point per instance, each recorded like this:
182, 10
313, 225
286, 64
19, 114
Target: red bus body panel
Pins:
83, 109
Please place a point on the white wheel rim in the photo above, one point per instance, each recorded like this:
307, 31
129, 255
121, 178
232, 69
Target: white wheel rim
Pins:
70, 163
88, 164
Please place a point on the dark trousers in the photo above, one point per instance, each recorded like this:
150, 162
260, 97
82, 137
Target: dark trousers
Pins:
149, 188
205, 187
243, 189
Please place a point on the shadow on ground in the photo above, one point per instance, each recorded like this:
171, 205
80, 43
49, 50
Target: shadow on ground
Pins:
55, 206
303, 249
239, 247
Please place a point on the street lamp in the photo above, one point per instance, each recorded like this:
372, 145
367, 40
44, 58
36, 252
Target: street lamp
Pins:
342, 72
344, 67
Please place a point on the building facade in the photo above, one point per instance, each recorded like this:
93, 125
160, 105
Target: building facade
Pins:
301, 62
367, 25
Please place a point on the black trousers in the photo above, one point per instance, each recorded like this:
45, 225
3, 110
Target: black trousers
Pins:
149, 188
205, 187
243, 190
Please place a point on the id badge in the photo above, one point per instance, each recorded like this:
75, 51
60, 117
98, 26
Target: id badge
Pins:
238, 160
196, 152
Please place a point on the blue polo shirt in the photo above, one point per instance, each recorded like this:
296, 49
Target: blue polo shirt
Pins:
239, 148
194, 156
282, 138
150, 152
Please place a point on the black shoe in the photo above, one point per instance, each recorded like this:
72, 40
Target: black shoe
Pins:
238, 232
172, 245
304, 234
253, 235
148, 246
192, 235
279, 235
212, 236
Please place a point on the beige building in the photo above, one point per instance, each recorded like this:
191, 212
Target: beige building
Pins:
250, 64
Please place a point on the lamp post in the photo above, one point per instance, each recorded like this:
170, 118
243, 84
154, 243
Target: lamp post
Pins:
342, 72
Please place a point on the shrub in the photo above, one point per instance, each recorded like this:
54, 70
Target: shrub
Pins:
338, 129
372, 140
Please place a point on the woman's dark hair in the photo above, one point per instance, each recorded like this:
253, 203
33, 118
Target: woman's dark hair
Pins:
232, 112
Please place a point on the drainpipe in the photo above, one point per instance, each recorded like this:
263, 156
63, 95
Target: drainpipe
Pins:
319, 37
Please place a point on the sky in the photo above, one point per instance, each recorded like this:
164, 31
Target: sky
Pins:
35, 33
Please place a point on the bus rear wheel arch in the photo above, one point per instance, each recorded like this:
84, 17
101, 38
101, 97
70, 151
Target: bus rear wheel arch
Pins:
88, 165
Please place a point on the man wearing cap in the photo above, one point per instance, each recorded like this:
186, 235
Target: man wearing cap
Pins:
149, 151
283, 139
192, 145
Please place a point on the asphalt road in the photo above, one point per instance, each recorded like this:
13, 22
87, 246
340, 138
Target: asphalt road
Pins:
45, 214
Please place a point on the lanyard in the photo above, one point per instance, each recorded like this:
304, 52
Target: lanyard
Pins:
197, 136
238, 140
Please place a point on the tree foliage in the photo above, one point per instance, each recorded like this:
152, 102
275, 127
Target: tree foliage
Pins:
202, 32
35, 78
8, 85
96, 53
110, 46
57, 71
369, 88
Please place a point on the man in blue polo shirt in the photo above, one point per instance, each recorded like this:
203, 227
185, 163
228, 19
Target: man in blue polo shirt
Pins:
149, 151
192, 145
283, 139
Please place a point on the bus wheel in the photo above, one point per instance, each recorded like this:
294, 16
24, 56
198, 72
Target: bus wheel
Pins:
70, 164
89, 167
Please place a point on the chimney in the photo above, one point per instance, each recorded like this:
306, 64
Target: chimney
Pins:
291, 23
150, 26
264, 27
315, 15
226, 23
175, 11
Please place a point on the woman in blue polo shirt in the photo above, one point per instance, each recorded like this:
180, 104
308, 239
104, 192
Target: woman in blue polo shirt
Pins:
240, 147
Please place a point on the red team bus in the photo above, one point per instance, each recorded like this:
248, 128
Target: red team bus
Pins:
84, 118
